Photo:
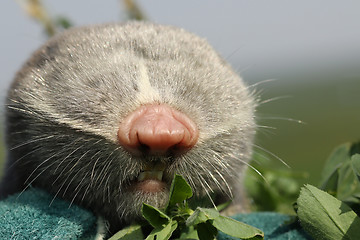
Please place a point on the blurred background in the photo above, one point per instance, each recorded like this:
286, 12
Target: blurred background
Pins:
311, 49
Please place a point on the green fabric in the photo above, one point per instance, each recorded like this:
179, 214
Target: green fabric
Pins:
30, 216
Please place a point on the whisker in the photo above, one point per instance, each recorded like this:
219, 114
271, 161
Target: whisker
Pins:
283, 118
71, 153
93, 171
62, 185
212, 176
226, 183
274, 99
261, 82
31, 141
266, 131
108, 188
27, 111
75, 175
190, 180
25, 155
202, 181
240, 70
218, 157
86, 190
73, 199
266, 127
108, 163
45, 161
77, 189
106, 170
29, 184
272, 154
262, 155
77, 162
258, 172
232, 53
85, 167
62, 161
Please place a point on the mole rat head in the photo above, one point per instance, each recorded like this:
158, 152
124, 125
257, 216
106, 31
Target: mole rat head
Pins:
104, 116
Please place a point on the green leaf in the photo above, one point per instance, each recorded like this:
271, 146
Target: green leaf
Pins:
355, 164
223, 206
189, 233
348, 183
330, 184
355, 148
237, 229
154, 216
337, 158
206, 231
325, 217
163, 233
276, 189
202, 215
340, 174
180, 190
129, 233
260, 192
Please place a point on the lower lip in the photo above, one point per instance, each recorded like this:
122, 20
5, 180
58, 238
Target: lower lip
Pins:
150, 186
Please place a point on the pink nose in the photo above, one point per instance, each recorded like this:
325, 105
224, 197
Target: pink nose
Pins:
157, 128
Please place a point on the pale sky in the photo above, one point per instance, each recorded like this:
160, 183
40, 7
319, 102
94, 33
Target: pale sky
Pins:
261, 39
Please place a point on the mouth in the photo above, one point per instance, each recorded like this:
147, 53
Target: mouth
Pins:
150, 180
146, 175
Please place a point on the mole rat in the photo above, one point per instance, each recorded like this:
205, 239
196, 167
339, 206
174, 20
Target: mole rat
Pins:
104, 116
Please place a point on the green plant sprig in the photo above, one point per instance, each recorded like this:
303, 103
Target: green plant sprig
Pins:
177, 220
333, 212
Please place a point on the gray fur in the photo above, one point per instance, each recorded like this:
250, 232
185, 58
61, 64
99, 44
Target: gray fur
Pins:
66, 103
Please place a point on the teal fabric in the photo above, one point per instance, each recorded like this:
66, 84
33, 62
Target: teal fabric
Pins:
31, 216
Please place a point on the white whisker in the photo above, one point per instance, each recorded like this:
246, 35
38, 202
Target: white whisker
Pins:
29, 184
266, 127
31, 141
202, 181
69, 155
258, 172
73, 199
283, 118
62, 161
261, 82
272, 154
86, 190
273, 99
62, 185
226, 183
108, 164
22, 157
45, 161
108, 188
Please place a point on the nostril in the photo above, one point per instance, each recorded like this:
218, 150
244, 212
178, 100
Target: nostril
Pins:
157, 130
143, 148
176, 150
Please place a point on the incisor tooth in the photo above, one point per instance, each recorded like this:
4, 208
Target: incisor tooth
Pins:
150, 175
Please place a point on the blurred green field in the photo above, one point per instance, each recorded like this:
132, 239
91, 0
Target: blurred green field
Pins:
330, 110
